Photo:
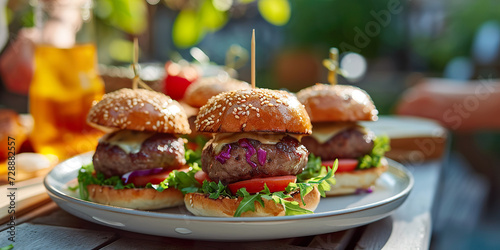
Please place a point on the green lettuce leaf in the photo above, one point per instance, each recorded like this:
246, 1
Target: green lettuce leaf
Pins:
381, 145
183, 181
86, 177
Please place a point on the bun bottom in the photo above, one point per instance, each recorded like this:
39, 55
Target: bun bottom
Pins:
350, 182
200, 205
135, 198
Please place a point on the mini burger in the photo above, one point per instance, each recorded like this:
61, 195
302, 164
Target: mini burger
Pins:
334, 111
250, 166
140, 150
199, 92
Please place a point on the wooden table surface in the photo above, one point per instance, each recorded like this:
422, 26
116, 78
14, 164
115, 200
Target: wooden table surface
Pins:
409, 227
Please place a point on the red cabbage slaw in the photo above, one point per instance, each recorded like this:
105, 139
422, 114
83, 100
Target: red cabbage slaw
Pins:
223, 156
250, 151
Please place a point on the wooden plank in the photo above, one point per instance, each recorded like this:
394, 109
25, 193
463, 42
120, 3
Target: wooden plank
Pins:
337, 241
171, 243
39, 211
28, 195
410, 226
59, 217
31, 236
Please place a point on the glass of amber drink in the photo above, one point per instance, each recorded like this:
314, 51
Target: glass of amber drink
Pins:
66, 81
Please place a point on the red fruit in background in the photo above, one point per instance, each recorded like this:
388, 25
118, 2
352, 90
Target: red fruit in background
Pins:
178, 77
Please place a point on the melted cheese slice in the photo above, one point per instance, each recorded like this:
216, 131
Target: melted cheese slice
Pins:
128, 140
221, 139
324, 132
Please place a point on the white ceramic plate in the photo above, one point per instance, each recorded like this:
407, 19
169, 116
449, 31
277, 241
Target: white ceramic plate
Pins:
333, 213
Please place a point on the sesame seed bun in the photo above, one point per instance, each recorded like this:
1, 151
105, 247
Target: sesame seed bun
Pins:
140, 110
199, 92
351, 181
332, 103
135, 198
200, 205
254, 110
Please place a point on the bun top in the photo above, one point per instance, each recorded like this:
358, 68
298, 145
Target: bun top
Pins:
332, 103
254, 110
140, 110
199, 92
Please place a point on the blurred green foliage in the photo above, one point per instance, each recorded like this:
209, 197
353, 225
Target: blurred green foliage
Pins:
194, 21
463, 18
318, 24
187, 29
324, 24
129, 16
276, 12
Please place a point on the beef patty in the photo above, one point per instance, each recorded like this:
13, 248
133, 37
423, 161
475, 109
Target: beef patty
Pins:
287, 157
350, 143
158, 151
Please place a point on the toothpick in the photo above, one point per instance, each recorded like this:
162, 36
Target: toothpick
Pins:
253, 59
136, 81
334, 66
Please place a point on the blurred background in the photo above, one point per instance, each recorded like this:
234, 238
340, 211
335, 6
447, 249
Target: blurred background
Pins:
454, 43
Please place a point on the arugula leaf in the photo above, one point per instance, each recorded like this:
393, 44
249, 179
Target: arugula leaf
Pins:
324, 183
304, 189
215, 189
293, 208
290, 207
312, 169
248, 202
381, 145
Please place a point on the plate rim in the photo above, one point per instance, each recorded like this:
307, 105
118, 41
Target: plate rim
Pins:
155, 214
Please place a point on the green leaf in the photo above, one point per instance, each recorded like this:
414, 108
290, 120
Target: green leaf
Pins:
276, 12
304, 189
381, 145
248, 202
186, 31
313, 169
293, 208
214, 190
183, 181
11, 246
193, 156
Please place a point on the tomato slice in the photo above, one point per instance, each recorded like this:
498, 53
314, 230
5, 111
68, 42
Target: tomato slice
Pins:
275, 184
200, 176
193, 146
141, 181
345, 165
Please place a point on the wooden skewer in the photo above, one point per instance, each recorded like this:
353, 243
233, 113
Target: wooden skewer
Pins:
334, 60
253, 59
136, 81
